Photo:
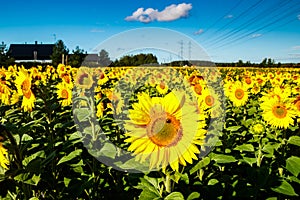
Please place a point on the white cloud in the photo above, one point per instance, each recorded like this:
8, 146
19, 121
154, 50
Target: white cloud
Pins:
95, 30
228, 17
294, 55
170, 13
256, 35
200, 31
295, 48
298, 17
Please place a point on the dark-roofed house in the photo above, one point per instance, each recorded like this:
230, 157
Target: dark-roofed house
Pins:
31, 52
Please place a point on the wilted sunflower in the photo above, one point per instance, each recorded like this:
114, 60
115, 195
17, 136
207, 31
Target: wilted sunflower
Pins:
3, 157
164, 130
23, 83
278, 113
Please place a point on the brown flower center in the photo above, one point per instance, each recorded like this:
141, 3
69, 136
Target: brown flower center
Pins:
209, 100
165, 130
279, 111
26, 88
198, 89
26, 85
64, 94
162, 85
239, 93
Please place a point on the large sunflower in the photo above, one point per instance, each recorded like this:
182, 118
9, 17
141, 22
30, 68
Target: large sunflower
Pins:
278, 113
165, 130
23, 83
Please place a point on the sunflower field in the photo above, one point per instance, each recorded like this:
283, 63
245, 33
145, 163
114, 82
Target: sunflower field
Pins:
149, 133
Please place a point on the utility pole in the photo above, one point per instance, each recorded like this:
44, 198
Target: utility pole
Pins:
181, 49
190, 50
54, 37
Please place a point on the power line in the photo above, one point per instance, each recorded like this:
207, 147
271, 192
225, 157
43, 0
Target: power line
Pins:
278, 19
247, 11
261, 16
222, 17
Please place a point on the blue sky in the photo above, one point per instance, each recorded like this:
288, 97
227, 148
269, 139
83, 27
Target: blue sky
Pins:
227, 30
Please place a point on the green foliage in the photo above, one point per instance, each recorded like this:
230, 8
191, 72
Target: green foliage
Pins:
5, 59
136, 60
104, 59
60, 52
77, 57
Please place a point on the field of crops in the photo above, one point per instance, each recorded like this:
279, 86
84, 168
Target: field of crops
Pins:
149, 133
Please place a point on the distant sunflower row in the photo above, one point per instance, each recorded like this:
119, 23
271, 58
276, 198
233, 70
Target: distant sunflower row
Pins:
278, 91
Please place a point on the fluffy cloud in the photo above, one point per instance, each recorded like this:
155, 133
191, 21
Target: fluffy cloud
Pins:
228, 17
170, 13
256, 35
200, 31
295, 48
95, 30
298, 17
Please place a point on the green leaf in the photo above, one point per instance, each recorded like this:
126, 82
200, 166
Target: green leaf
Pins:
269, 148
150, 188
295, 140
212, 182
82, 113
233, 128
193, 195
174, 196
249, 160
67, 181
272, 198
146, 195
25, 178
245, 147
34, 198
72, 155
294, 179
202, 163
285, 188
251, 111
221, 158
293, 165
108, 150
40, 154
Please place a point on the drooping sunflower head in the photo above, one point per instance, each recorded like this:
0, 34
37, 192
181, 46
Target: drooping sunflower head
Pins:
164, 130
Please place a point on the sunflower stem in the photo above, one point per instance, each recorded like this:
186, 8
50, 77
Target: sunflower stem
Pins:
168, 183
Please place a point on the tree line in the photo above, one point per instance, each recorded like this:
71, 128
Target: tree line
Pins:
75, 58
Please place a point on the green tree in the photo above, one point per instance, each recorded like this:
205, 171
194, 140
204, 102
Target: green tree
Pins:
5, 59
104, 59
136, 60
263, 63
60, 51
77, 57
